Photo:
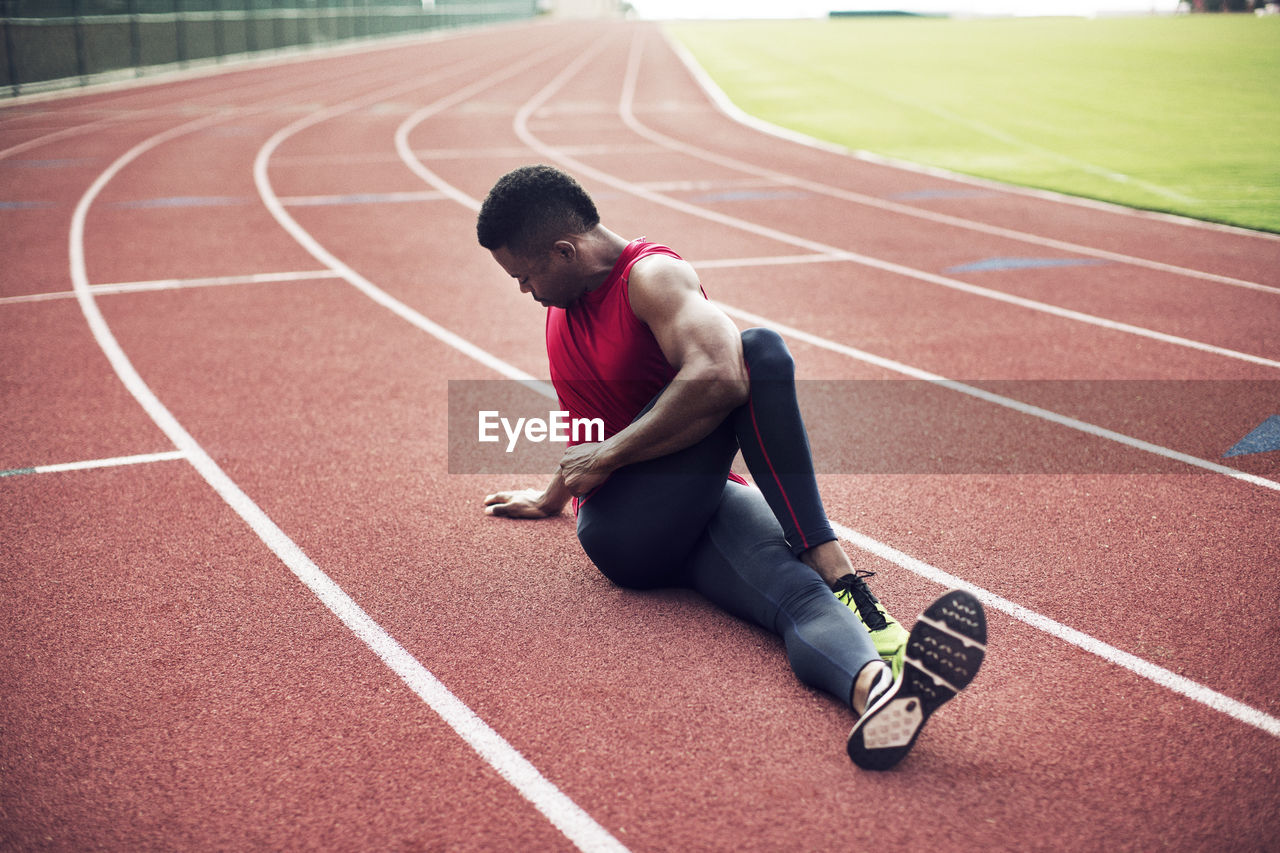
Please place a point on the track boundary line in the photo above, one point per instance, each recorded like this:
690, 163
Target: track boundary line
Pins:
737, 114
1175, 683
492, 748
113, 462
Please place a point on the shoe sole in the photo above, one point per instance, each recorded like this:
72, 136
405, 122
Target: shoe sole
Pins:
944, 652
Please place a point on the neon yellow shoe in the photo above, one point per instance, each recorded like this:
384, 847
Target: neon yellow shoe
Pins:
890, 637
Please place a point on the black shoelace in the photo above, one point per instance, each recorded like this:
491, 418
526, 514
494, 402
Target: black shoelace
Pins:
854, 587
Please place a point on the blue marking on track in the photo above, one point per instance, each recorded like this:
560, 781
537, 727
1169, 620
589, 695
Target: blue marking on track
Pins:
45, 164
182, 201
14, 472
360, 198
1264, 438
1024, 264
24, 205
746, 195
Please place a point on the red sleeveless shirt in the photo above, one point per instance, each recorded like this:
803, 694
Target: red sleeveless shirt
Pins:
605, 363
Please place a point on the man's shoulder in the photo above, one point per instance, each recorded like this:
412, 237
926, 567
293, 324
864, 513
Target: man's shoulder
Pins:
662, 287
661, 270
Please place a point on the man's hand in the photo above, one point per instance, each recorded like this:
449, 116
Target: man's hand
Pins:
529, 503
582, 468
523, 503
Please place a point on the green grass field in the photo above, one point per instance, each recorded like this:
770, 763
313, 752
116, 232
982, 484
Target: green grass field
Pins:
1179, 114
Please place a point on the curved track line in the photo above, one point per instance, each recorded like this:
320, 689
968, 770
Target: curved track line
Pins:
734, 112
1158, 675
563, 813
128, 116
526, 136
628, 116
368, 288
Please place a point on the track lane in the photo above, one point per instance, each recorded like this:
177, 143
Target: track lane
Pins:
61, 400
525, 647
563, 813
169, 685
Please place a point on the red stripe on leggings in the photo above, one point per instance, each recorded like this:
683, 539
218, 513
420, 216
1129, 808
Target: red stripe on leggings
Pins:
759, 441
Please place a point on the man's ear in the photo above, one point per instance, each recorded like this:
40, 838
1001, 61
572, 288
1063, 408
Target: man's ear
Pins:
565, 250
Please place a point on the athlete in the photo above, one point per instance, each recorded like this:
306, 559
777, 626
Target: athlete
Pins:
633, 340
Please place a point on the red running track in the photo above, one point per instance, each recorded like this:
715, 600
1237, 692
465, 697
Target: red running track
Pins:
285, 624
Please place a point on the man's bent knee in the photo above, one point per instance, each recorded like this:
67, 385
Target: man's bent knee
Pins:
766, 354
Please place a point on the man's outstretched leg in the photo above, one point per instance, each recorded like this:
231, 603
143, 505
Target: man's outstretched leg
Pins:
771, 434
743, 564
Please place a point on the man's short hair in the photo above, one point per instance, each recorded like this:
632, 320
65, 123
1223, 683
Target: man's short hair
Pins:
529, 208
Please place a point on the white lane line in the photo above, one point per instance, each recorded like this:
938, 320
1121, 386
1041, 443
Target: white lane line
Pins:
113, 462
730, 109
566, 815
174, 284
304, 238
1170, 680
999, 400
1183, 686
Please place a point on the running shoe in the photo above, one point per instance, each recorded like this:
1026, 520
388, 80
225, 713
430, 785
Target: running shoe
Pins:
944, 652
890, 637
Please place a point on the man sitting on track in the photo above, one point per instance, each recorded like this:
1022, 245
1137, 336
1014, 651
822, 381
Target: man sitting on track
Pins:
633, 340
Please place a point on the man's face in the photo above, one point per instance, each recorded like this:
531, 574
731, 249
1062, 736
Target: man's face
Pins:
551, 277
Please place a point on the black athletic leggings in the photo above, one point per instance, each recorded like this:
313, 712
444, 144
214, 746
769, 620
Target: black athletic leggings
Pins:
678, 521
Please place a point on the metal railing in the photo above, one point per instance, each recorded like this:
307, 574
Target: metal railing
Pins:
55, 43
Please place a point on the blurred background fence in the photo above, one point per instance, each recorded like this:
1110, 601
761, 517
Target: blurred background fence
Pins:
53, 43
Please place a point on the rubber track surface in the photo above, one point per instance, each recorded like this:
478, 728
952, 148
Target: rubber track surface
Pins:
170, 682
